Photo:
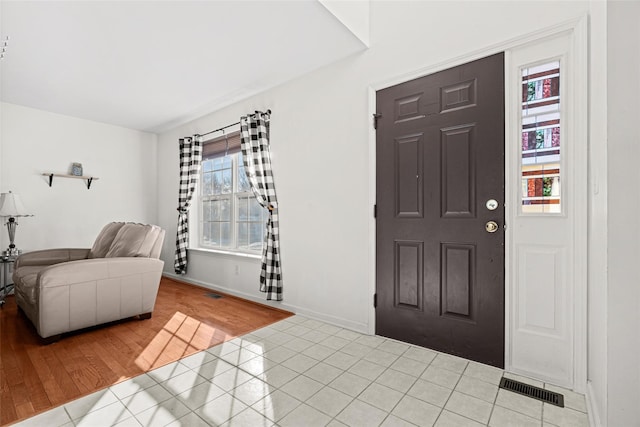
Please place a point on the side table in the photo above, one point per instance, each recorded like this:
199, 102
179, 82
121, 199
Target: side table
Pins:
7, 263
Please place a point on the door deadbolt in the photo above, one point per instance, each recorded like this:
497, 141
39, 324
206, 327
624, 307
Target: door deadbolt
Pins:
492, 204
491, 226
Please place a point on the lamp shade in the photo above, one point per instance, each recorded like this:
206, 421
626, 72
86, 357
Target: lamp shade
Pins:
11, 205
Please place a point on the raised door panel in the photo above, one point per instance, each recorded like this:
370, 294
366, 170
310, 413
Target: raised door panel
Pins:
409, 274
457, 168
457, 276
409, 170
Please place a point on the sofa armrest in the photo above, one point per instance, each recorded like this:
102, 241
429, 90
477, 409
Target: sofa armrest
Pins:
79, 294
50, 256
87, 270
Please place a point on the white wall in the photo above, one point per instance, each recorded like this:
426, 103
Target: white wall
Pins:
67, 214
623, 323
320, 148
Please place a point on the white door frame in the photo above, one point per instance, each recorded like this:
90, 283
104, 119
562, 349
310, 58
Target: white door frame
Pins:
579, 31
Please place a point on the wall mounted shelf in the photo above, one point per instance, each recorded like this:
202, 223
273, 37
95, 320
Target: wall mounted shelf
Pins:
89, 179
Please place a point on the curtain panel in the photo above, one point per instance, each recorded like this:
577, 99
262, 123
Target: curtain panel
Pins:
190, 159
254, 129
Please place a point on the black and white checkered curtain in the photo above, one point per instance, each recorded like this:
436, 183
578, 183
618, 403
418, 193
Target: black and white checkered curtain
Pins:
254, 129
190, 159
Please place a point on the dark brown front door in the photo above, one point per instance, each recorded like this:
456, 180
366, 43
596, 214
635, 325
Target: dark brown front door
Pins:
440, 159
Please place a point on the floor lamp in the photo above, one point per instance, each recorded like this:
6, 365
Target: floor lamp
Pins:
11, 207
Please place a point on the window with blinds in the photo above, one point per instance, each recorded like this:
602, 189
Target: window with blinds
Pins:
230, 216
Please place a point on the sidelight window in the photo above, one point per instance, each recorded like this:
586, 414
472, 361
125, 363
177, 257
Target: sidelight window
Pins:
541, 139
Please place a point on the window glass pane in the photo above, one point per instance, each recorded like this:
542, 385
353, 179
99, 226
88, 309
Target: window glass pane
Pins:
217, 182
226, 181
227, 162
207, 165
206, 211
215, 234
206, 229
243, 181
217, 163
255, 210
243, 235
540, 145
225, 210
207, 184
225, 234
215, 211
243, 208
256, 235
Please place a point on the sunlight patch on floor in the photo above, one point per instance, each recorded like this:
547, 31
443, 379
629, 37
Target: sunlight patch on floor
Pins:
181, 336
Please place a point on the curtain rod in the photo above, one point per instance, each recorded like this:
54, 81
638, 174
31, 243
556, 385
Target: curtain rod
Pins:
228, 126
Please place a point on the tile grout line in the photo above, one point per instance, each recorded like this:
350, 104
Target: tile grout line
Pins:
354, 398
390, 412
493, 404
415, 381
451, 394
298, 374
317, 362
371, 381
64, 407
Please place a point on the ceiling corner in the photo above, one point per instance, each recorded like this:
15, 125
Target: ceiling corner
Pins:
354, 15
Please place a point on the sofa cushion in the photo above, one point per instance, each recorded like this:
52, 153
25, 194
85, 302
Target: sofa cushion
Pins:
104, 240
26, 278
134, 240
157, 247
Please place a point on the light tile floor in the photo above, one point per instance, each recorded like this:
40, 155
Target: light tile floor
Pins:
301, 372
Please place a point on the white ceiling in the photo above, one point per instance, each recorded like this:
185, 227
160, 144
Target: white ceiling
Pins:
152, 65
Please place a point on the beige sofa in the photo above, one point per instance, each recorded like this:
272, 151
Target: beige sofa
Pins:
63, 290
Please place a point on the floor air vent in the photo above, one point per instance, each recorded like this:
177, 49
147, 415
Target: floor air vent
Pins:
214, 296
532, 391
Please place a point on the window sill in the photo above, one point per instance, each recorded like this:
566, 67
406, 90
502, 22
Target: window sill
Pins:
227, 252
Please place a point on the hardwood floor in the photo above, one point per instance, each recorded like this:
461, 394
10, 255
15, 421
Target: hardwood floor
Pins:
36, 377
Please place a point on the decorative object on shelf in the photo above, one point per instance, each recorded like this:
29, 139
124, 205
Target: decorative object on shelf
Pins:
11, 207
89, 179
76, 169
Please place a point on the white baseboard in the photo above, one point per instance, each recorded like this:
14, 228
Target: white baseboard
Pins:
337, 321
592, 408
